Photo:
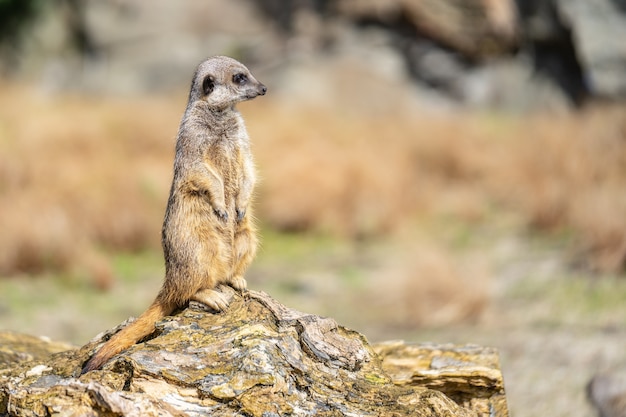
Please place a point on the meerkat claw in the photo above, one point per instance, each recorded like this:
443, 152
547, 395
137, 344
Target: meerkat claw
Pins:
223, 216
240, 214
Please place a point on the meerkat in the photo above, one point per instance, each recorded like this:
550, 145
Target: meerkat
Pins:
208, 235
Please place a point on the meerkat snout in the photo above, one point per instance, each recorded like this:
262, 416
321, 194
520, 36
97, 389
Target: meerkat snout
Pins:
251, 86
258, 90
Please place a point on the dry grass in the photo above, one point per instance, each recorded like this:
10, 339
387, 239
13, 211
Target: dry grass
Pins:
361, 175
78, 175
425, 285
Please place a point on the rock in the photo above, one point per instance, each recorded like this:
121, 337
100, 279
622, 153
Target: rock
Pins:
258, 358
579, 44
607, 392
599, 29
452, 50
16, 348
470, 375
470, 53
137, 47
474, 28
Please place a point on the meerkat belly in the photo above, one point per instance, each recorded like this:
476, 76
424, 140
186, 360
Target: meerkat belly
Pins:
196, 243
226, 159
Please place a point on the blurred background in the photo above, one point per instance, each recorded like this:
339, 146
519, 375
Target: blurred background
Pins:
431, 170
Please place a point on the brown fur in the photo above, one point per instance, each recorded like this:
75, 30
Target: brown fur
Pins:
208, 236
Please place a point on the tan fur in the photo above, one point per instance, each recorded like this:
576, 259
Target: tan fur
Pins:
208, 235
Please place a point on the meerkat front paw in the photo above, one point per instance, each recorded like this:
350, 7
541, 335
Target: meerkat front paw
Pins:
221, 214
241, 213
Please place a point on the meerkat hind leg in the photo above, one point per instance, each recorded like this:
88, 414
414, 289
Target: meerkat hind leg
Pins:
214, 299
244, 249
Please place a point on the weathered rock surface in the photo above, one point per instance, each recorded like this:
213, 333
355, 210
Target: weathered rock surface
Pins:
470, 375
258, 358
16, 348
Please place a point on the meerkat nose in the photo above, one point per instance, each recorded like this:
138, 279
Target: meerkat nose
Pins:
262, 89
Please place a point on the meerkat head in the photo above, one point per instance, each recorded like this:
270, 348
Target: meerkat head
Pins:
222, 82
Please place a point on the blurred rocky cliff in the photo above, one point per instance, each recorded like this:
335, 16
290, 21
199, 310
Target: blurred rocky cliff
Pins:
509, 54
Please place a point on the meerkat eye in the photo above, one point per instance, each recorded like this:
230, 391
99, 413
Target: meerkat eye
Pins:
240, 78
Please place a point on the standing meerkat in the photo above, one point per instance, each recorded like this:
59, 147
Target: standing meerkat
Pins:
208, 236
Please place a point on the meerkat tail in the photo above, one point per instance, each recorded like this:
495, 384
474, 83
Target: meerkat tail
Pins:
129, 335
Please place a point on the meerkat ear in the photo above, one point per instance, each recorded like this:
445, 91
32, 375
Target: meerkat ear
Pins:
208, 84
